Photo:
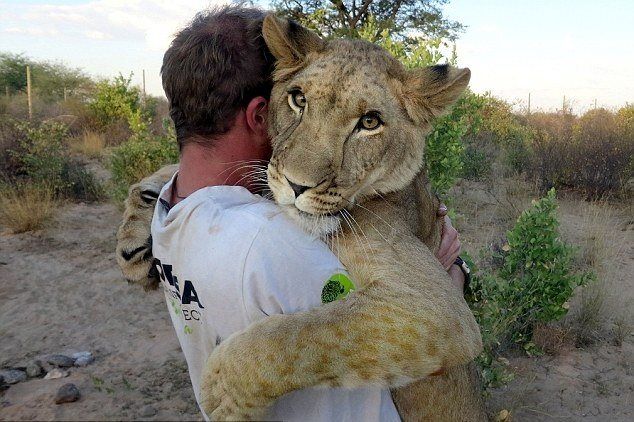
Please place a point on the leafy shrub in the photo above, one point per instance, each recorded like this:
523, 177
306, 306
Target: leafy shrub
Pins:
592, 153
115, 99
26, 206
518, 153
42, 154
501, 134
532, 286
10, 136
475, 163
539, 265
42, 158
444, 149
600, 154
81, 184
138, 158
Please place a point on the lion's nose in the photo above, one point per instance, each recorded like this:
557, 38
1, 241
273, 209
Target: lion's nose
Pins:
298, 189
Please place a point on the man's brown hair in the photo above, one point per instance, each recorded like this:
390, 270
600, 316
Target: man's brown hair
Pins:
213, 68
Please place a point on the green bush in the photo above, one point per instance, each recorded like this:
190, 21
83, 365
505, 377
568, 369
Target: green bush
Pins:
43, 159
81, 184
444, 149
539, 268
518, 154
533, 284
476, 165
117, 99
42, 153
137, 158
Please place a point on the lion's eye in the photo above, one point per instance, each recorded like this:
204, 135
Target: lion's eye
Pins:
297, 99
370, 121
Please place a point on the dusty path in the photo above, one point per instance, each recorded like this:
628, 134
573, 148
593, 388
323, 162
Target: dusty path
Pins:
60, 291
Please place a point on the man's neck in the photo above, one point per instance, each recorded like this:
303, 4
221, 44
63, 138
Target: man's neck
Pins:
227, 160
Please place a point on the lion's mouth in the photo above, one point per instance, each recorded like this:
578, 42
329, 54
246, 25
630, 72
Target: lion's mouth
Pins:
320, 225
335, 214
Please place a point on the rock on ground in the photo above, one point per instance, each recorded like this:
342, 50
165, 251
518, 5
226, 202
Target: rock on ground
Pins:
56, 373
34, 369
67, 393
61, 361
147, 411
12, 376
83, 358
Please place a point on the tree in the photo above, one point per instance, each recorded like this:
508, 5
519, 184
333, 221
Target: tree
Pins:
13, 71
49, 79
346, 17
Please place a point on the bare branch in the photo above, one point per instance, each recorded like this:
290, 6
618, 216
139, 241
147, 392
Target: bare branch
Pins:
362, 11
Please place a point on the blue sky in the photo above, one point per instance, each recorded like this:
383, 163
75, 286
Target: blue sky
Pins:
581, 49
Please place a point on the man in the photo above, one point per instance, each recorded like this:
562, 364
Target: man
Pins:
226, 256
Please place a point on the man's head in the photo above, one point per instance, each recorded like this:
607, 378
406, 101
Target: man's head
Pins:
213, 70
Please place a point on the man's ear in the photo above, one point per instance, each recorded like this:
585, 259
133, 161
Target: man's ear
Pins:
430, 91
256, 114
289, 43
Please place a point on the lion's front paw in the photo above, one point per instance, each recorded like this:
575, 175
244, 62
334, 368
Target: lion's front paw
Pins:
227, 394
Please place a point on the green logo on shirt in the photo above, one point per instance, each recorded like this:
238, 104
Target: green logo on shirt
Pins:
337, 287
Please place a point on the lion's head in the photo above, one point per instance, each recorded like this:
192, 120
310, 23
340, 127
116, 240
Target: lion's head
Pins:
347, 121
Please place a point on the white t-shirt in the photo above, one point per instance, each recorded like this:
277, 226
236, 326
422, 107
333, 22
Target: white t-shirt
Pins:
228, 258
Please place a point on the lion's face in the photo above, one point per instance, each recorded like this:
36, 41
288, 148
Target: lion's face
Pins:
346, 121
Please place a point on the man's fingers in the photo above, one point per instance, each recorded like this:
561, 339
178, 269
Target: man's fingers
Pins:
454, 253
449, 237
451, 254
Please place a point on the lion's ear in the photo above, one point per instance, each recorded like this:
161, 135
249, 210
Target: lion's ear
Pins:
430, 91
289, 42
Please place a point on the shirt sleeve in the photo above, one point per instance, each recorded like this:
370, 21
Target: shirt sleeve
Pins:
285, 270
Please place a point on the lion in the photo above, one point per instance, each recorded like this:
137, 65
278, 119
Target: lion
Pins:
347, 148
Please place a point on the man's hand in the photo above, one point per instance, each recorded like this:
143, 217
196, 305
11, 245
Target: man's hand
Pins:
450, 249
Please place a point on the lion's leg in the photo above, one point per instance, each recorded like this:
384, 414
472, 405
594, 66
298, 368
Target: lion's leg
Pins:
405, 324
134, 241
454, 396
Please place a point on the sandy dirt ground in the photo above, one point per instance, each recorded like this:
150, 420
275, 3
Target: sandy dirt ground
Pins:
61, 292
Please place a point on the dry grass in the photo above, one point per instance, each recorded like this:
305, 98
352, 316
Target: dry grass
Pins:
26, 207
89, 143
486, 210
553, 339
622, 328
596, 306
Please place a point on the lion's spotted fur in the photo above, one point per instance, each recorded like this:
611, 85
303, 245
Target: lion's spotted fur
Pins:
406, 321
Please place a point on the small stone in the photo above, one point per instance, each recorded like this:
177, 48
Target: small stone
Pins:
83, 361
147, 411
61, 361
83, 358
81, 355
67, 393
34, 369
13, 376
56, 373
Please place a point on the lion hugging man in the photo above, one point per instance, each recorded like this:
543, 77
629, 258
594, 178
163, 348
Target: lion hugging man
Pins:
334, 131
